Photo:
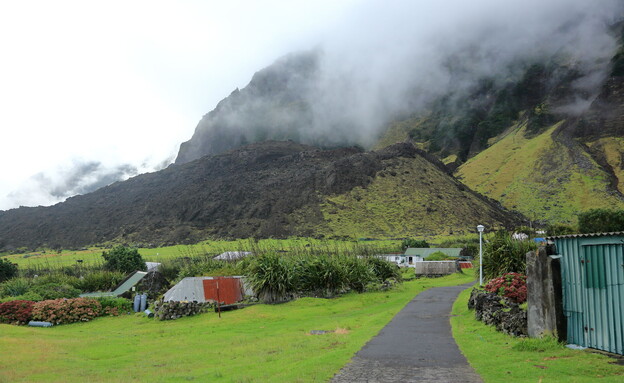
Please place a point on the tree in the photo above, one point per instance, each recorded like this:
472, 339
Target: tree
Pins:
8, 270
601, 221
123, 259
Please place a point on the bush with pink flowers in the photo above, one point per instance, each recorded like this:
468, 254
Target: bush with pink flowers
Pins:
60, 311
511, 286
16, 312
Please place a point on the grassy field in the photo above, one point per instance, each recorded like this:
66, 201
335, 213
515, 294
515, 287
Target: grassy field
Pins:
93, 255
501, 358
263, 343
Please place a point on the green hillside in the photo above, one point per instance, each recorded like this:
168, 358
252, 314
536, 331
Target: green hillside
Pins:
544, 176
411, 196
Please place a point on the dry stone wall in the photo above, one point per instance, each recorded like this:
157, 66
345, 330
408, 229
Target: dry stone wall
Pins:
498, 311
169, 310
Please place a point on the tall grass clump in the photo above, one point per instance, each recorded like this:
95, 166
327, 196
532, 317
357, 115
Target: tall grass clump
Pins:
322, 275
359, 273
276, 278
272, 277
15, 287
383, 269
502, 255
102, 280
200, 267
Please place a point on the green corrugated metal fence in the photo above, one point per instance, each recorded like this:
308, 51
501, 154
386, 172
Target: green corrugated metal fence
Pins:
593, 290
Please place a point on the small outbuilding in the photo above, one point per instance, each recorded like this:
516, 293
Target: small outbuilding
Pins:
203, 289
397, 258
592, 272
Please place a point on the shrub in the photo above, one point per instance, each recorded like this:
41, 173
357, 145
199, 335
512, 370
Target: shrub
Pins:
124, 259
15, 287
438, 256
407, 273
114, 306
8, 270
470, 250
200, 268
100, 281
383, 269
414, 243
170, 269
601, 221
57, 277
60, 311
559, 229
511, 286
16, 312
55, 291
503, 255
29, 296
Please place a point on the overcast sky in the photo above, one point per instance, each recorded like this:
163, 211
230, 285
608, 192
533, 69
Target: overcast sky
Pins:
98, 85
94, 91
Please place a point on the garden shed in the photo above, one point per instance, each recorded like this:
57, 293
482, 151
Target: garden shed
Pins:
592, 272
203, 289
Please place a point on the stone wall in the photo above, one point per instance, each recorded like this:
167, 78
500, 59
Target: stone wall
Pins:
498, 311
169, 310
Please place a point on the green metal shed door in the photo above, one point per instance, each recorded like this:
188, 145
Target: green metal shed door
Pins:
602, 279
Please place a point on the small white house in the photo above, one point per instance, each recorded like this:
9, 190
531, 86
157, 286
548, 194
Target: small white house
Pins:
394, 258
418, 254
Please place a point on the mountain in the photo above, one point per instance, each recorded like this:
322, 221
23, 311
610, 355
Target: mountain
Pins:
268, 189
543, 136
273, 106
542, 145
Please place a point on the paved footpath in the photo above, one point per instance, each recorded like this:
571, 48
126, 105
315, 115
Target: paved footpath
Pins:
416, 346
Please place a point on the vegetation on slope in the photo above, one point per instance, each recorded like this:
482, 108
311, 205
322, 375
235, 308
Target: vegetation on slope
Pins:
410, 197
542, 176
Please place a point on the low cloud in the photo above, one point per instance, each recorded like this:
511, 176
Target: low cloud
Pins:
72, 178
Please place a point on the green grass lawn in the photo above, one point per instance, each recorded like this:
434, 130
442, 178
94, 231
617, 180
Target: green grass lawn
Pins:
501, 358
263, 343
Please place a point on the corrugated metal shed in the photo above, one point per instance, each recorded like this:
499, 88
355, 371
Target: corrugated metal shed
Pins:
592, 268
202, 289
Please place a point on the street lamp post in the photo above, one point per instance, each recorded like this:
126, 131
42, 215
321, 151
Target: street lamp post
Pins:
480, 229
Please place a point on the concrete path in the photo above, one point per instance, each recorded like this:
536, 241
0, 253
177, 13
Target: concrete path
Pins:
416, 346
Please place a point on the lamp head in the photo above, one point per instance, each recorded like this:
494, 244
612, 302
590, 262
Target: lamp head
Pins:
480, 228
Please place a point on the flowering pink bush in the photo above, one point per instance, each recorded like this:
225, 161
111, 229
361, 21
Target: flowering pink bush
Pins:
510, 285
16, 312
60, 311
